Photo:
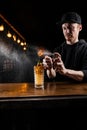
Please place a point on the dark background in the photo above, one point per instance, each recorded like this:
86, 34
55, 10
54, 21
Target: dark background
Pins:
36, 20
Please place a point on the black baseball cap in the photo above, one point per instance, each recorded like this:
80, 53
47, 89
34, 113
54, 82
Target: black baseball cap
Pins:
71, 17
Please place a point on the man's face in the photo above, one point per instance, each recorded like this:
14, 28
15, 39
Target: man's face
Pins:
71, 31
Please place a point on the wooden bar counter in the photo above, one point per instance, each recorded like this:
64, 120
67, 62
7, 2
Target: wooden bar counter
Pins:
53, 94
57, 106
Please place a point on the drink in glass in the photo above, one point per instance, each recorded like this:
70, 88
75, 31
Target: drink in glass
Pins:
39, 76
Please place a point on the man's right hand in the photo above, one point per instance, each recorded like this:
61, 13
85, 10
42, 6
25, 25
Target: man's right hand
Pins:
47, 62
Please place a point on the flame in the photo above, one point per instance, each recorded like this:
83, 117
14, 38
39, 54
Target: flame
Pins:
40, 52
43, 52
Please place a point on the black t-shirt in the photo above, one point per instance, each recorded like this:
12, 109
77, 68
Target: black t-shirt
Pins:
74, 57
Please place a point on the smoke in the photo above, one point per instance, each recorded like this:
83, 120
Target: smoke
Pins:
23, 62
11, 63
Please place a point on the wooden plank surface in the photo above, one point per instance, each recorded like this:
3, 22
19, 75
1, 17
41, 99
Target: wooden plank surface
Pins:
50, 89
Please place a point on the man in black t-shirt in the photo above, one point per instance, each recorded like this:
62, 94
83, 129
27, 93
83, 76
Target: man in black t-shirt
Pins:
69, 61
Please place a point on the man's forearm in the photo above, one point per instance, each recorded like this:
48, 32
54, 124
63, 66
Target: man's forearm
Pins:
77, 75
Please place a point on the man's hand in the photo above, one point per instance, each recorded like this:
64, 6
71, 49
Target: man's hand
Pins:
58, 64
47, 62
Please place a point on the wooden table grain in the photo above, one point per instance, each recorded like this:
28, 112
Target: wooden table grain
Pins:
54, 94
51, 89
54, 103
